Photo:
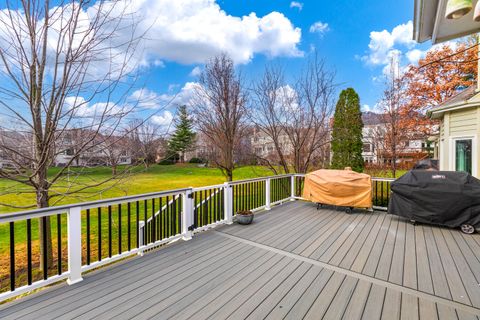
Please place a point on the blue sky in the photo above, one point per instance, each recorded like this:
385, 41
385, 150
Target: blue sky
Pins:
342, 39
355, 38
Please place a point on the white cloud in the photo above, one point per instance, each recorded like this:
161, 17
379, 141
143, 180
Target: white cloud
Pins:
145, 98
383, 42
196, 71
319, 27
192, 31
164, 120
414, 55
296, 4
185, 96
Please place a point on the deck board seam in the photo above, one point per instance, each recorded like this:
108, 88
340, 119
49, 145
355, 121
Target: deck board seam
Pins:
386, 284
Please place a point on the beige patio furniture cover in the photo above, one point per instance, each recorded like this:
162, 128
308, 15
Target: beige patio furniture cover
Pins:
344, 188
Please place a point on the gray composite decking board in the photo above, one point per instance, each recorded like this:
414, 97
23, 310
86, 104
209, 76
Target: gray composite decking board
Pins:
346, 260
338, 254
277, 231
356, 305
385, 262
425, 281
233, 298
409, 309
237, 302
374, 305
468, 253
215, 276
470, 283
359, 257
149, 295
113, 296
316, 236
454, 280
294, 269
340, 301
310, 230
371, 263
261, 221
292, 297
410, 261
321, 304
396, 269
269, 303
291, 239
446, 313
164, 305
125, 270
320, 250
439, 280
392, 304
279, 234
325, 234
300, 309
238, 281
427, 309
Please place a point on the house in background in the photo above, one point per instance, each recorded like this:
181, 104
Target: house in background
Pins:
457, 145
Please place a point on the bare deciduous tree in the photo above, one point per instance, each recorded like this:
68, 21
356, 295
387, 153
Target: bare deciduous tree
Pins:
295, 118
63, 67
219, 110
145, 139
394, 134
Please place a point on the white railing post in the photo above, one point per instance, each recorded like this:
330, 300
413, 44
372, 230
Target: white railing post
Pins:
292, 187
141, 233
187, 214
228, 204
267, 194
74, 221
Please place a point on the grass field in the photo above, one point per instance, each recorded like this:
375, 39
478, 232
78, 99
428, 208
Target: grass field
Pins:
155, 178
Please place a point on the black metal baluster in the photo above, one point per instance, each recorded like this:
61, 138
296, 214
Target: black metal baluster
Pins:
119, 228
59, 244
110, 231
88, 237
209, 207
137, 209
99, 238
29, 251
167, 214
154, 234
45, 248
381, 192
161, 227
174, 214
235, 197
12, 256
205, 208
129, 226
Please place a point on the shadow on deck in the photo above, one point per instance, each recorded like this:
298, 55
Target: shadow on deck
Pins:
294, 262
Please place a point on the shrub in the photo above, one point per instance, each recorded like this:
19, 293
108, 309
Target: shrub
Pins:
196, 160
166, 162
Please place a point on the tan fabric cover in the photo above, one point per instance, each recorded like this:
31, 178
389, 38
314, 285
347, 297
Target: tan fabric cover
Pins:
339, 187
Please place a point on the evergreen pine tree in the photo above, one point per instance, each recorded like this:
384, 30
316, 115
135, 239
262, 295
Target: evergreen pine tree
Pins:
183, 137
347, 132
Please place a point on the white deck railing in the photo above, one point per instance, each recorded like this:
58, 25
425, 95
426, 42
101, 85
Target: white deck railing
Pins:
180, 214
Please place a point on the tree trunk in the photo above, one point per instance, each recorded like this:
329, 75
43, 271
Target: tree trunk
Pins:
114, 170
44, 224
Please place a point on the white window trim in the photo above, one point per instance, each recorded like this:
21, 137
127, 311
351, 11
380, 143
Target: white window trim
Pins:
452, 154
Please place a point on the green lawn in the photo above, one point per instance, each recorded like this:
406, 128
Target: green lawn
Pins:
155, 178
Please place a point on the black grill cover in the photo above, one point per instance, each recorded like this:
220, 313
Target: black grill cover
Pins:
444, 198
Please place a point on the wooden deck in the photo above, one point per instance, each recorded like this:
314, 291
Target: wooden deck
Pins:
294, 262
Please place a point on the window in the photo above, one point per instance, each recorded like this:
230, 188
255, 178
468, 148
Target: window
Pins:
367, 147
463, 155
